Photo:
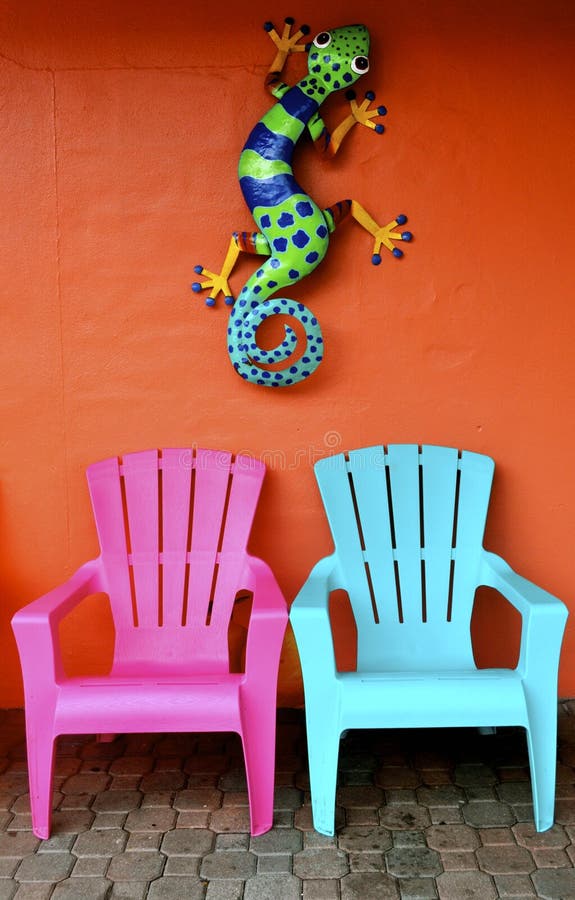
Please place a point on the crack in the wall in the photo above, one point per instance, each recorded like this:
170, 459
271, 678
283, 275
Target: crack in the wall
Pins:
237, 67
63, 410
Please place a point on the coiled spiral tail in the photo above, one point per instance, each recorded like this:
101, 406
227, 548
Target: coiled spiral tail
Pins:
247, 357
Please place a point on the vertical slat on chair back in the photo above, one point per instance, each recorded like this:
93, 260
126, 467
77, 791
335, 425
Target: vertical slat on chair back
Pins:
408, 524
173, 528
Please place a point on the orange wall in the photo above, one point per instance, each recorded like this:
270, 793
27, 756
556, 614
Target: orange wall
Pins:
121, 128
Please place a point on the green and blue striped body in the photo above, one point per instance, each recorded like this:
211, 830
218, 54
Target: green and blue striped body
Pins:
294, 230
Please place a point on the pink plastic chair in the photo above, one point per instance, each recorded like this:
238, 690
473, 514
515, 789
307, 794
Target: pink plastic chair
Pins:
173, 527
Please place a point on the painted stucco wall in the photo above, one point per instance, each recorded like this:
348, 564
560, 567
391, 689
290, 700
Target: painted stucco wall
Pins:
121, 126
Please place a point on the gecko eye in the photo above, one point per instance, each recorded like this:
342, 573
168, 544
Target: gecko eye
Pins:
360, 64
323, 39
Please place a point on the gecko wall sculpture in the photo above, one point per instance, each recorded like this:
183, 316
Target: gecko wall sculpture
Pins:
293, 231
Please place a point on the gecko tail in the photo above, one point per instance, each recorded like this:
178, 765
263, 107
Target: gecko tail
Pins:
248, 358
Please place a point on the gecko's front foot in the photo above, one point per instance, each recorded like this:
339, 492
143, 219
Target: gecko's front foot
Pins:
217, 284
287, 42
386, 236
364, 113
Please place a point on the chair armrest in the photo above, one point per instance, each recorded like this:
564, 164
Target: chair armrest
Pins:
309, 617
544, 615
267, 624
35, 626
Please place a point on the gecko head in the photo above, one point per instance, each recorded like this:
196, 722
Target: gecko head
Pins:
337, 58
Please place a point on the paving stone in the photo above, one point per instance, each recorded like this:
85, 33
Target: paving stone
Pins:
105, 820
144, 840
409, 862
187, 842
131, 765
287, 798
163, 781
417, 889
157, 799
514, 792
8, 866
490, 836
550, 858
150, 820
275, 865
400, 795
320, 863
82, 889
195, 818
445, 815
397, 777
523, 812
272, 887
313, 840
233, 782
479, 793
449, 838
283, 818
565, 812
227, 841
407, 817
459, 861
362, 816
235, 798
45, 867
143, 866
129, 890
225, 890
409, 839
182, 865
489, 814
369, 839
321, 889
441, 795
85, 783
232, 819
284, 840
507, 859
468, 774
463, 885
117, 801
366, 795
107, 842
21, 823
91, 867
191, 888
555, 884
75, 801
369, 886
514, 886
225, 864
28, 891
366, 862
7, 890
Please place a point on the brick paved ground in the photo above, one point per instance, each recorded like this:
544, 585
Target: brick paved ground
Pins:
421, 814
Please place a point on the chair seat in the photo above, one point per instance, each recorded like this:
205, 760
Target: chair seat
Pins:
196, 703
478, 697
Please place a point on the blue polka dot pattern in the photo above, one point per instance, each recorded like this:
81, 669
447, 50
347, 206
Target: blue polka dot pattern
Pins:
304, 208
301, 238
293, 229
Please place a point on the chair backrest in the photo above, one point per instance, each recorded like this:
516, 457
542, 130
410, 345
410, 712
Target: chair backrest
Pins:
173, 527
408, 524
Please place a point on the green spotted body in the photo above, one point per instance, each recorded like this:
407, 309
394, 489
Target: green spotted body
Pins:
293, 230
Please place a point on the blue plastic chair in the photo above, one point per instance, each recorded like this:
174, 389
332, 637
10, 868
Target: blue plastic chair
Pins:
407, 524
